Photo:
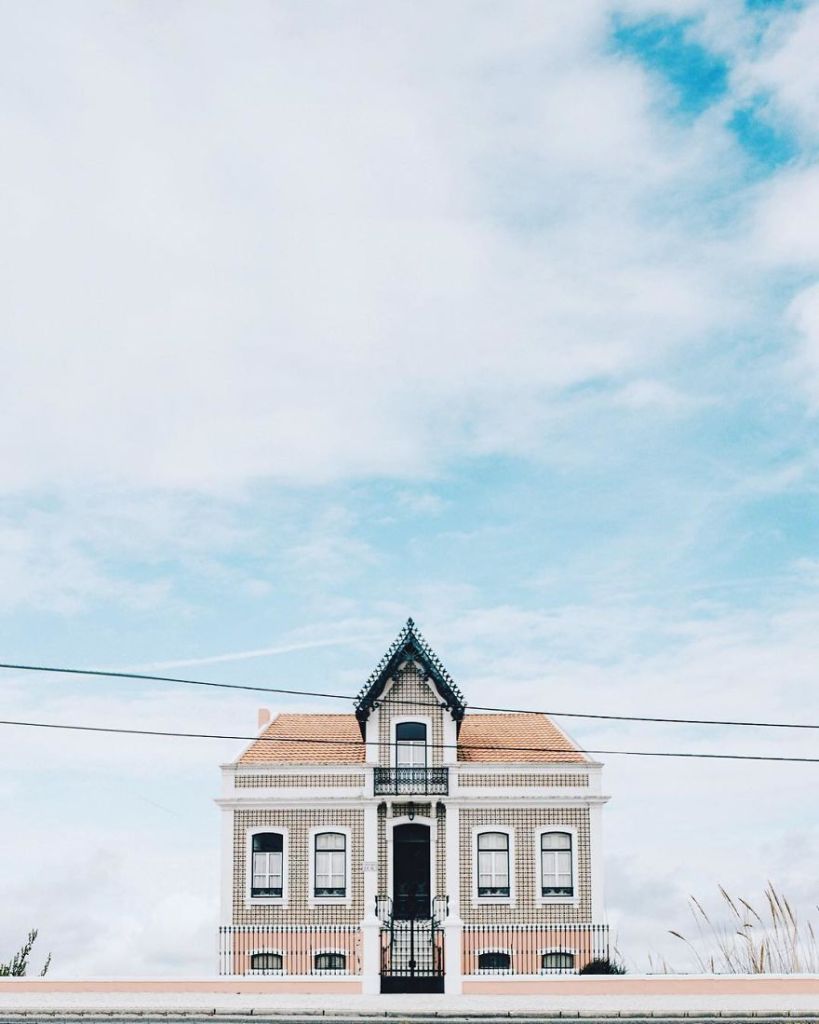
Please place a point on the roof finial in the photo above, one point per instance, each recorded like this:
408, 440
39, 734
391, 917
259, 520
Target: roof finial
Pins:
410, 623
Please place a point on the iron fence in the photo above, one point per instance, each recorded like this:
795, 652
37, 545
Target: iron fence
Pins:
411, 781
532, 949
270, 949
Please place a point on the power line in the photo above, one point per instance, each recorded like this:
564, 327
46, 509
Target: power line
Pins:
438, 746
414, 703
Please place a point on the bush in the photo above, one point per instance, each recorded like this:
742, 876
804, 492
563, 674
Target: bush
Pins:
603, 966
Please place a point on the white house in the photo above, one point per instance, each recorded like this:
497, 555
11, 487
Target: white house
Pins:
411, 845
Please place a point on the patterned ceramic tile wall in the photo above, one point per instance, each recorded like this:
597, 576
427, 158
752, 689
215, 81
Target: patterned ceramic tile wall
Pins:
525, 822
299, 823
466, 780
404, 697
297, 781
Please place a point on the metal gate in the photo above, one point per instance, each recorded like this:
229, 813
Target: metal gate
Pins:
412, 950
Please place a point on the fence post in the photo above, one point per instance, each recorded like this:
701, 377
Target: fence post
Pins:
370, 925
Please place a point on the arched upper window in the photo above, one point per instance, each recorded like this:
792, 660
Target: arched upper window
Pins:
493, 864
556, 875
330, 864
267, 868
410, 745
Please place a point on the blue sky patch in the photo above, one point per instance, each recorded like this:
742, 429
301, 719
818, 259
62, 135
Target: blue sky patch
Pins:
698, 76
762, 139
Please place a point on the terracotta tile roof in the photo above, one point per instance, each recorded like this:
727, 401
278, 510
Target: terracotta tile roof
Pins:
490, 731
348, 748
340, 740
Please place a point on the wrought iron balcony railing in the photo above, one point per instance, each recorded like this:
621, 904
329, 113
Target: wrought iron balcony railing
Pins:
411, 781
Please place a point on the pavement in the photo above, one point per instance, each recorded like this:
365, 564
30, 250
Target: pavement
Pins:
346, 1009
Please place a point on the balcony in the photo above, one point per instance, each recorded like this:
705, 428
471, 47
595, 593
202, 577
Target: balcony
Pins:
411, 781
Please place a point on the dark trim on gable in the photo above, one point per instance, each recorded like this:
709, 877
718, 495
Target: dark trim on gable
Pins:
409, 644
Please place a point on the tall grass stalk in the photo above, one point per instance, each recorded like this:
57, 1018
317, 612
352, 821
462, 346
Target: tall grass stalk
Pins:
744, 940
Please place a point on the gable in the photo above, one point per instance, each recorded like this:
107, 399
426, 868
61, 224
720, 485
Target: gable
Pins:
409, 645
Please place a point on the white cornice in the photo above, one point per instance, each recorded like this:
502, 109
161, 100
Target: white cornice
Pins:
307, 800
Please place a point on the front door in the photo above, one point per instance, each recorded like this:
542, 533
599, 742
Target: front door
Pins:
411, 872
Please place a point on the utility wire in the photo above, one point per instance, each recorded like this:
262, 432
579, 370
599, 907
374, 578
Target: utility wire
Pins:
414, 703
436, 746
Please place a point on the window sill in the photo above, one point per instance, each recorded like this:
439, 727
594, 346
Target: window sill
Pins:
558, 901
493, 901
330, 901
265, 901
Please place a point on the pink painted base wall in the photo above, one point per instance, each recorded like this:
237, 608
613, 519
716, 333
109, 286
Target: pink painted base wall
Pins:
564, 985
648, 985
223, 986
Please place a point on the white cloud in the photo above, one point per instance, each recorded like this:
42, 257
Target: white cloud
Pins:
804, 315
298, 245
787, 211
784, 70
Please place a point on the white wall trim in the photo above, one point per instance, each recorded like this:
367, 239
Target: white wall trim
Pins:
596, 871
226, 867
372, 730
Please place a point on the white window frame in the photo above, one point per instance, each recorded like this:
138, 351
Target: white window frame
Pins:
333, 901
264, 970
485, 901
545, 901
402, 719
270, 901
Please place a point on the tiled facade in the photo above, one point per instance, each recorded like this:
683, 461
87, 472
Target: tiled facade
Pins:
562, 792
410, 696
519, 780
298, 781
524, 824
299, 823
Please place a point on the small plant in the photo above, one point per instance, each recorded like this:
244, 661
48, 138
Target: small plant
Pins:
603, 965
18, 965
771, 942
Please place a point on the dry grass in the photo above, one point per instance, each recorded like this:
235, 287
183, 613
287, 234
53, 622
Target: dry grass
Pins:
744, 940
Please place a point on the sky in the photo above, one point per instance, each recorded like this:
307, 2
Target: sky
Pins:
504, 316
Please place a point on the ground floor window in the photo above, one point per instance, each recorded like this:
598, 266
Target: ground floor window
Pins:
330, 962
494, 961
557, 961
266, 962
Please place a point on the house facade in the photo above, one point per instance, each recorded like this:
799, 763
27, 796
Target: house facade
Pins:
411, 845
